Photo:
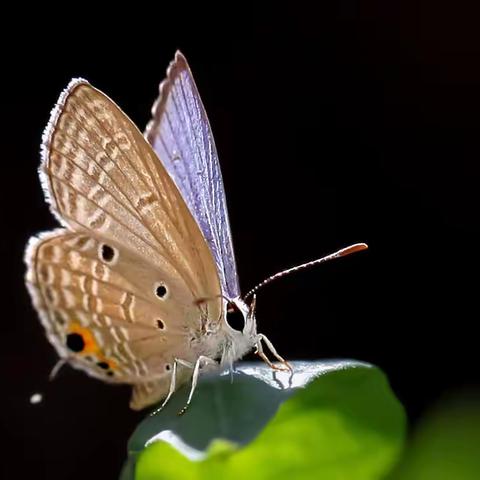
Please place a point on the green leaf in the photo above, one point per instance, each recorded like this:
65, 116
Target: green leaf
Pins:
330, 420
446, 443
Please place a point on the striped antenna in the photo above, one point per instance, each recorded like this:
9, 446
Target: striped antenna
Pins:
358, 247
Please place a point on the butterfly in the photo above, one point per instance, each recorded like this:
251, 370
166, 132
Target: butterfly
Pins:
135, 286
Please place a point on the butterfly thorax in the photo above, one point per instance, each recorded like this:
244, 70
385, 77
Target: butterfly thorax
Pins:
217, 340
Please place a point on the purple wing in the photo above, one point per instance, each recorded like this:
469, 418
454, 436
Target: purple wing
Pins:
180, 134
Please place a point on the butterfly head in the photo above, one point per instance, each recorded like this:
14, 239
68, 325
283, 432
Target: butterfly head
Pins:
241, 329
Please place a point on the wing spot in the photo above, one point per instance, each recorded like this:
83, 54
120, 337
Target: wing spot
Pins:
160, 324
107, 253
75, 342
161, 291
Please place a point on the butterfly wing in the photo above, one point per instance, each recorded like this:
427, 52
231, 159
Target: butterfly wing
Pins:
125, 216
101, 175
98, 316
181, 136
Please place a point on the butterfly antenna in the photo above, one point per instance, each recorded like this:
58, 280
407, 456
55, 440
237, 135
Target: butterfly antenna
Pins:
357, 247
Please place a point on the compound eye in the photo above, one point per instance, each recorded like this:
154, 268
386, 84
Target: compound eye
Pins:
235, 318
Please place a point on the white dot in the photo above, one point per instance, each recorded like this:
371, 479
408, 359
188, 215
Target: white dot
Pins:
36, 398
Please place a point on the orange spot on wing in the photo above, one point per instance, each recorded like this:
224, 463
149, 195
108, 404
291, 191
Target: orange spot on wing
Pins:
91, 345
112, 363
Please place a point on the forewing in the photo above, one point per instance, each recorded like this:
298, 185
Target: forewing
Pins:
181, 136
102, 176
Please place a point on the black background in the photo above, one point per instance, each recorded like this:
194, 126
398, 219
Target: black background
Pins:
357, 122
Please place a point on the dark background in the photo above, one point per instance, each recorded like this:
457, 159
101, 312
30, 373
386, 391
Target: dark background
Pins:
358, 122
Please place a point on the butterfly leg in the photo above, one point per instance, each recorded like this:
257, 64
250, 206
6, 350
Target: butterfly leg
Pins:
201, 361
56, 368
173, 382
259, 351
